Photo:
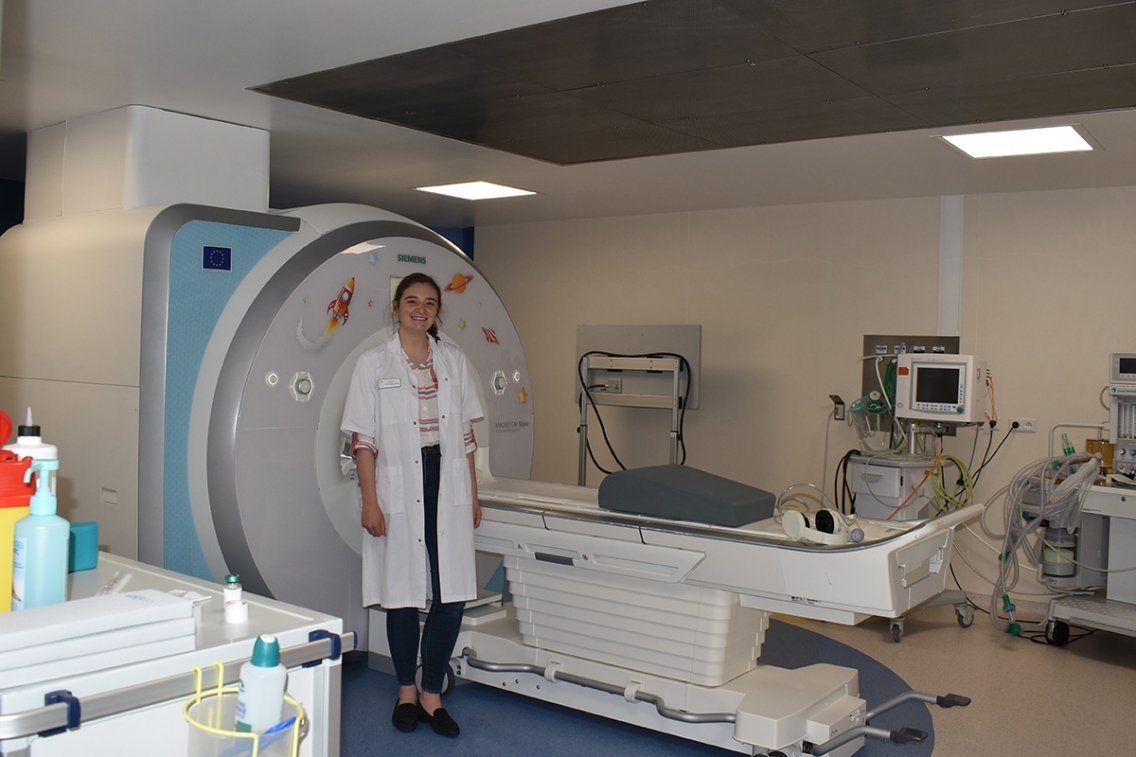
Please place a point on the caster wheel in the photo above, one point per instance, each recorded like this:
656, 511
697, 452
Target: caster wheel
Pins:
897, 630
447, 681
964, 614
1057, 632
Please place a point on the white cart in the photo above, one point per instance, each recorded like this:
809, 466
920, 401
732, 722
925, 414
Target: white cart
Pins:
136, 709
1115, 611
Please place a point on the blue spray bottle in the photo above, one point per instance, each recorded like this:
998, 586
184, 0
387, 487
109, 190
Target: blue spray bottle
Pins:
39, 564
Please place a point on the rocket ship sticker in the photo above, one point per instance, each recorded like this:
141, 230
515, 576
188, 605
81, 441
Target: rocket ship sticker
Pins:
338, 311
338, 308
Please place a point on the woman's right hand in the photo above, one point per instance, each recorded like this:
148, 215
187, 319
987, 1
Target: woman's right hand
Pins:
374, 522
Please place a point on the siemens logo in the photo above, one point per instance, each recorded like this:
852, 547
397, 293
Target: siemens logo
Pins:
412, 259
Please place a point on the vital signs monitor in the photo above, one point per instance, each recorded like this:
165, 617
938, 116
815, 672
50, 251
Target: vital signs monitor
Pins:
940, 388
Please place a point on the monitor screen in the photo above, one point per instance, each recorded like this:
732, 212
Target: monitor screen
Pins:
938, 385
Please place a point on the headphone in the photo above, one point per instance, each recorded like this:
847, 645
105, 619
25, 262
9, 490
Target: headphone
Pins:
828, 527
798, 502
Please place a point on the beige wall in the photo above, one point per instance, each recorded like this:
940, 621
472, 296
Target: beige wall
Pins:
784, 296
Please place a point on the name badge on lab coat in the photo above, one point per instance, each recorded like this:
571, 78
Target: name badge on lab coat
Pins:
389, 383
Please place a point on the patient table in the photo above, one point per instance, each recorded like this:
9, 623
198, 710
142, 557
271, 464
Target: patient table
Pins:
669, 617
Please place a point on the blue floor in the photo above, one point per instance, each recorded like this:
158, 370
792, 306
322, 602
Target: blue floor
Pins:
496, 722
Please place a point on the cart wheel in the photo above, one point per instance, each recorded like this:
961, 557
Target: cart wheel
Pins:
964, 614
897, 629
1057, 632
447, 681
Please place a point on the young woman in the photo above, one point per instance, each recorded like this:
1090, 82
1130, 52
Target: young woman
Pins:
409, 412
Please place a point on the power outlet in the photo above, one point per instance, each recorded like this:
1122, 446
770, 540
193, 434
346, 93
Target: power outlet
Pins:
1025, 425
613, 385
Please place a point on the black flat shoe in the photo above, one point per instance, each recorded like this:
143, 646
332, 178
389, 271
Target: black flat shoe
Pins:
405, 717
440, 721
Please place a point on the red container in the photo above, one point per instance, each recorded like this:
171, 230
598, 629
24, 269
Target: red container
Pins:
15, 496
12, 484
12, 471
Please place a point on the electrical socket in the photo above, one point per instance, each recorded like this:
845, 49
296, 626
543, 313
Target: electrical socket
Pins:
1025, 425
613, 385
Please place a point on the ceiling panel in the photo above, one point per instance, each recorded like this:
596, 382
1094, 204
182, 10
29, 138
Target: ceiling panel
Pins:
391, 87
495, 123
810, 26
799, 121
640, 140
666, 76
647, 39
732, 89
1004, 52
1078, 92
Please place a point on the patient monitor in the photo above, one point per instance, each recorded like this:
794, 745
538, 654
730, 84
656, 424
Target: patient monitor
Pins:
940, 388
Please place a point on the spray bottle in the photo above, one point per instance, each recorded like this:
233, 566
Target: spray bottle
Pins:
29, 443
260, 698
39, 562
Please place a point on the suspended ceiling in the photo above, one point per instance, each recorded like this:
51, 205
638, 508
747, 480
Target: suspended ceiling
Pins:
600, 107
670, 76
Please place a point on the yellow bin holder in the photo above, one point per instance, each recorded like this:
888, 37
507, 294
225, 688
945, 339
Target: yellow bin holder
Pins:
210, 715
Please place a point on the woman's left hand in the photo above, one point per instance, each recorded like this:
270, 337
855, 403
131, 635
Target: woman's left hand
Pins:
476, 513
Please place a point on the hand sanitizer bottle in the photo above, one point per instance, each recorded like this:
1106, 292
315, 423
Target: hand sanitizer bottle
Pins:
39, 562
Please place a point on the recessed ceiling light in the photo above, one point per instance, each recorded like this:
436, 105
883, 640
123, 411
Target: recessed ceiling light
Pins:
476, 190
1001, 144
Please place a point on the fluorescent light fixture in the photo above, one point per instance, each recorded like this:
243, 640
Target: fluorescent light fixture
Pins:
476, 190
1001, 144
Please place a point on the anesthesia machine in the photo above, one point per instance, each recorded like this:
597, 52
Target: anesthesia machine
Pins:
1071, 517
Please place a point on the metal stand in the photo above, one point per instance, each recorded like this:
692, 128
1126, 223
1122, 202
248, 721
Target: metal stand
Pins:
607, 396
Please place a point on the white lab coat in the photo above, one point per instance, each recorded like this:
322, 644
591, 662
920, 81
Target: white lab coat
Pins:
382, 401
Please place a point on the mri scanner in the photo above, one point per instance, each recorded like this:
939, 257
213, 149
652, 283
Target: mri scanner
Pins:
191, 363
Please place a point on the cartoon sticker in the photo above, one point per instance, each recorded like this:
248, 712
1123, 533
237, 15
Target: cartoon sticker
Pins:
338, 311
458, 283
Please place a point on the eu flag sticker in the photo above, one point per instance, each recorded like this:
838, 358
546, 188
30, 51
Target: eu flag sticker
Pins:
216, 258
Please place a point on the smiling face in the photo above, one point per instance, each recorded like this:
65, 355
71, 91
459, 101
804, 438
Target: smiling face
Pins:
417, 307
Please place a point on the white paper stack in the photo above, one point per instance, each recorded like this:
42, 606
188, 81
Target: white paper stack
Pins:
71, 638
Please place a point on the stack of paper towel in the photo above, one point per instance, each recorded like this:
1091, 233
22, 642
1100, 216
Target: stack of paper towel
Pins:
85, 635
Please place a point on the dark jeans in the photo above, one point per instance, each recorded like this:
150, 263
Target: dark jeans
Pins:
443, 622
